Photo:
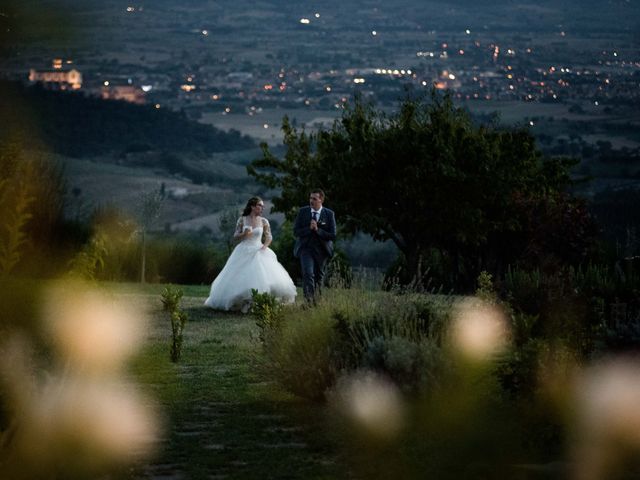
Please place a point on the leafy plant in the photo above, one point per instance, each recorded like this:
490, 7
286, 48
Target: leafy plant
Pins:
397, 335
91, 259
339, 271
16, 202
178, 321
486, 291
268, 313
14, 222
171, 299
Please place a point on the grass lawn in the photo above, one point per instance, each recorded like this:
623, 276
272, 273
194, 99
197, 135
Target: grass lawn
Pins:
222, 418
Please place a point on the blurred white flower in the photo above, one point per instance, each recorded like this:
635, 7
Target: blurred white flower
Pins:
607, 416
92, 329
479, 329
91, 424
372, 402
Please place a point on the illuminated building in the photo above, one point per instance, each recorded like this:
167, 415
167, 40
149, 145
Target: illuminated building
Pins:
57, 79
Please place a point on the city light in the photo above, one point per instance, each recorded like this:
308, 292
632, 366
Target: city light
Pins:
480, 71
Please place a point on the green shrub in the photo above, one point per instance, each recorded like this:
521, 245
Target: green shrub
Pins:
301, 357
396, 335
171, 299
268, 313
415, 366
283, 247
90, 260
339, 272
178, 321
171, 303
524, 289
486, 290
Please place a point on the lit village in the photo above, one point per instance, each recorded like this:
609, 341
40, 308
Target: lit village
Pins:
204, 70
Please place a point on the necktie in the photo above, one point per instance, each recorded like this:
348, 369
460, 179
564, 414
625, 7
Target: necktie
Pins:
315, 215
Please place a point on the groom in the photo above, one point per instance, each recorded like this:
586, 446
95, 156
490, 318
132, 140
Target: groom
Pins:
315, 231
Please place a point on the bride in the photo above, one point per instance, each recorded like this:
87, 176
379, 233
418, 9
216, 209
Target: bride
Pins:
252, 264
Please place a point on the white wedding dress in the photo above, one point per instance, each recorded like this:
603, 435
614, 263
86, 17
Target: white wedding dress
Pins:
250, 267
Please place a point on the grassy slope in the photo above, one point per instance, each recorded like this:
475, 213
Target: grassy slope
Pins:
223, 420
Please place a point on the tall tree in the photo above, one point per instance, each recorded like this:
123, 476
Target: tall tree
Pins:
425, 177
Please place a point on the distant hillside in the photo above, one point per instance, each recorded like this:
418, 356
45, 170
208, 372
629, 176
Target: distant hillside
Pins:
74, 125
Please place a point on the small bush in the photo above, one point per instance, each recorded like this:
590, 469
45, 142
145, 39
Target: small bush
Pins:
268, 313
171, 303
395, 335
171, 299
301, 356
178, 321
339, 271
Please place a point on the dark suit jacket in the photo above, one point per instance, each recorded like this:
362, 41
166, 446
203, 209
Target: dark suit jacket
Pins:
306, 238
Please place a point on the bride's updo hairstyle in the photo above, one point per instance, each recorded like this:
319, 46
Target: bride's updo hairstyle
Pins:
253, 201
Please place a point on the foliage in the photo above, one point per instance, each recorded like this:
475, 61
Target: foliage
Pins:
400, 279
178, 321
227, 225
618, 214
150, 205
171, 303
174, 258
300, 355
581, 313
486, 290
32, 190
98, 126
268, 314
90, 260
396, 335
338, 270
425, 177
282, 245
178, 257
14, 205
171, 298
557, 229
120, 261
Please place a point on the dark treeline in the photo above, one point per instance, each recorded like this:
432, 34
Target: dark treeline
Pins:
75, 125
